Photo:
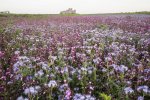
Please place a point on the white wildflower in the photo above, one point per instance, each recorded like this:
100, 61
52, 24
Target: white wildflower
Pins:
143, 88
54, 57
123, 68
17, 52
30, 90
39, 73
52, 83
20, 98
140, 98
128, 90
78, 97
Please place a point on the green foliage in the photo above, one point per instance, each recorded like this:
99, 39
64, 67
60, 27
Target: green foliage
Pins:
105, 96
103, 26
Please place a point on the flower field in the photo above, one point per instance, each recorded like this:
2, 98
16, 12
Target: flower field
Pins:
87, 57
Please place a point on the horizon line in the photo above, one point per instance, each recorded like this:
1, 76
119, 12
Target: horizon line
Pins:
76, 13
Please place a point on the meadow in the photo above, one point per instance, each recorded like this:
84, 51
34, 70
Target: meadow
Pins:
79, 57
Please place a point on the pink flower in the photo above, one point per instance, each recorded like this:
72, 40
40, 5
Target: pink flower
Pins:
68, 94
1, 54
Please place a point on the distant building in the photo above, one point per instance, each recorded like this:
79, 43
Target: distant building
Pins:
4, 12
68, 11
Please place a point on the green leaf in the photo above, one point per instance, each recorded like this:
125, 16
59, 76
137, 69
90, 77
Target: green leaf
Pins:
105, 96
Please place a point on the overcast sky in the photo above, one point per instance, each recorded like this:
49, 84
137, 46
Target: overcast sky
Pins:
82, 6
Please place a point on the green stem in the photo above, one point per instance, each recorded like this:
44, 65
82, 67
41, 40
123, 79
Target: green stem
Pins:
50, 94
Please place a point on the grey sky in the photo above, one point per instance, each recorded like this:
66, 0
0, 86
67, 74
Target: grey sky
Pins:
82, 6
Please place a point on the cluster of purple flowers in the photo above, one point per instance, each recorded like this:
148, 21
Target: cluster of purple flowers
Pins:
76, 58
